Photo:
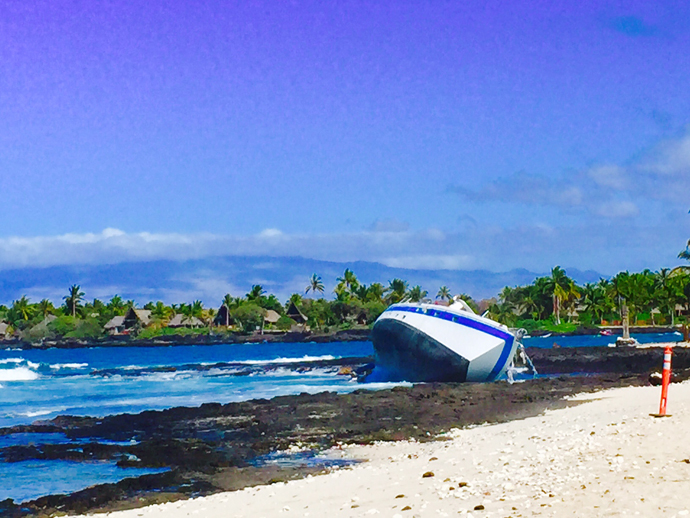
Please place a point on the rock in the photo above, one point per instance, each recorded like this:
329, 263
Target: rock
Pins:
479, 507
428, 474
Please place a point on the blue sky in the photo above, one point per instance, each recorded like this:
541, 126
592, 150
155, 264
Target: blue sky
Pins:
418, 134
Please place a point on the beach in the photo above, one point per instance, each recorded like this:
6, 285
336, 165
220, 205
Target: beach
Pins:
601, 456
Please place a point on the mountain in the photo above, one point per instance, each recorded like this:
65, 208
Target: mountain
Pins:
210, 278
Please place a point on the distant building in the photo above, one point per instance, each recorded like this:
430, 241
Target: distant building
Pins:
300, 325
180, 320
115, 326
223, 317
271, 317
295, 314
133, 318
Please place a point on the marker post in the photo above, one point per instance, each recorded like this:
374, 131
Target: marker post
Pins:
665, 381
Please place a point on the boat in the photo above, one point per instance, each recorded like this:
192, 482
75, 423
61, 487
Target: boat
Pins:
421, 342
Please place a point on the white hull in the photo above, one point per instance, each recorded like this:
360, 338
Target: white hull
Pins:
427, 342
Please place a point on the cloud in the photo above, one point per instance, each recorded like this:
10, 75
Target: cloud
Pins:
618, 209
389, 225
523, 187
431, 262
612, 176
670, 158
602, 190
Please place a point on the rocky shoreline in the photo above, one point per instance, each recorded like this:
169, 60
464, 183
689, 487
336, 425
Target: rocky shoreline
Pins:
349, 335
211, 448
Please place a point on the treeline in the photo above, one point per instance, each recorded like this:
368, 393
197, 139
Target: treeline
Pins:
353, 304
558, 303
555, 302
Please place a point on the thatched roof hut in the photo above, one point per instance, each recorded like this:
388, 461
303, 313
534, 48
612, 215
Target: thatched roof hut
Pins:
180, 320
115, 325
223, 317
271, 316
295, 314
137, 316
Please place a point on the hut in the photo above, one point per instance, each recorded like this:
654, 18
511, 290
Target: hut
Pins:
271, 317
137, 317
180, 320
115, 326
295, 314
134, 318
223, 317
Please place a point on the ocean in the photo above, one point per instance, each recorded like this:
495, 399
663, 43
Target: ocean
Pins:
42, 384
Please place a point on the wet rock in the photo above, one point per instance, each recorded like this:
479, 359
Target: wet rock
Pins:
210, 448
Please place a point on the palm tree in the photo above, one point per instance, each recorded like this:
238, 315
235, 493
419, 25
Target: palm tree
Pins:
315, 284
375, 292
228, 302
72, 301
685, 254
22, 309
416, 294
255, 293
116, 305
45, 308
396, 290
444, 293
347, 283
559, 285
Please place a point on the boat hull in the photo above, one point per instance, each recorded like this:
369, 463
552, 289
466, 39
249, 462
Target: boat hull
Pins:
416, 343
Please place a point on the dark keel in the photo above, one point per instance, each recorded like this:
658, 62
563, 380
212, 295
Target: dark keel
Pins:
403, 352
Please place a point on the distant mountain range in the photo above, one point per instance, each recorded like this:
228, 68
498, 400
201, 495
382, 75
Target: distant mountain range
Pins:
209, 279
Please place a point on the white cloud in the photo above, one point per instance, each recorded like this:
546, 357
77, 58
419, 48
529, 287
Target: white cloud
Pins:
431, 262
271, 233
618, 209
670, 158
608, 176
598, 245
389, 225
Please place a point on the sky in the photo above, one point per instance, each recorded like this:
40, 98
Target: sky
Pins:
432, 135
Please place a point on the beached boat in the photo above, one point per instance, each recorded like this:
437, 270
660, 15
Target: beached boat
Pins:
429, 342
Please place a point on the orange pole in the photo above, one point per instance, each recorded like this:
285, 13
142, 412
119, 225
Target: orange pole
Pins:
665, 381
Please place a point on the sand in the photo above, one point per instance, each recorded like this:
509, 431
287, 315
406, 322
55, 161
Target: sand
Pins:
604, 456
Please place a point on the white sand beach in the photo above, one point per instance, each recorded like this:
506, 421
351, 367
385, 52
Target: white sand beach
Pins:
603, 457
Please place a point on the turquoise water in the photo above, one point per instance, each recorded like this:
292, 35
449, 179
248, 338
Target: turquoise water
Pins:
41, 384
27, 480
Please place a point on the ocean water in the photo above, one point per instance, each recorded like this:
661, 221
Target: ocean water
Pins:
41, 384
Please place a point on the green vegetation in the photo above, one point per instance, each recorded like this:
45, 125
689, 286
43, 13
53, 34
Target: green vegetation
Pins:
554, 303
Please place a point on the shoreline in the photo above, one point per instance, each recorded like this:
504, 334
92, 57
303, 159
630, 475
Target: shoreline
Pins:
349, 335
600, 456
209, 448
